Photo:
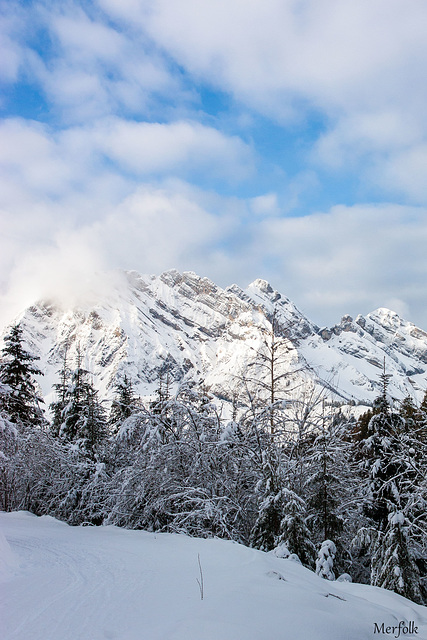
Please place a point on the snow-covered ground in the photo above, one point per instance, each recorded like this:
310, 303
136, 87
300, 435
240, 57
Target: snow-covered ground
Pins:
90, 583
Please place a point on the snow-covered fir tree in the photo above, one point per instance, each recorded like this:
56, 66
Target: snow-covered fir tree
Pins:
331, 488
83, 417
393, 566
266, 530
325, 560
124, 404
20, 400
394, 479
294, 532
385, 464
61, 388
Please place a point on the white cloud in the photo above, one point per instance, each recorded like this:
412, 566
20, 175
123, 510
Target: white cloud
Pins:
86, 67
68, 269
350, 259
265, 205
405, 172
30, 157
346, 260
325, 50
360, 133
361, 65
151, 230
87, 41
179, 146
11, 53
161, 228
57, 189
75, 199
37, 161
9, 59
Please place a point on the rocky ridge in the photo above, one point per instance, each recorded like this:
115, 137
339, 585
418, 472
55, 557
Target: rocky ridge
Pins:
187, 325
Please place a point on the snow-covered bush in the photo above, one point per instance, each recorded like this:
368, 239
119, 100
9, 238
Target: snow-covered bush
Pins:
325, 560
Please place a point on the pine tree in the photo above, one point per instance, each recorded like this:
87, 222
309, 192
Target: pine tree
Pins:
410, 414
415, 418
328, 463
325, 560
9, 437
266, 530
385, 464
393, 500
393, 566
83, 417
21, 402
265, 455
57, 407
294, 532
124, 404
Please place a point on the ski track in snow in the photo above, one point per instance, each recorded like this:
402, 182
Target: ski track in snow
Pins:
89, 583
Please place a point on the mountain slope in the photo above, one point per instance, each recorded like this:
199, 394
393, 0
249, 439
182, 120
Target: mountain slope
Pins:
199, 332
104, 582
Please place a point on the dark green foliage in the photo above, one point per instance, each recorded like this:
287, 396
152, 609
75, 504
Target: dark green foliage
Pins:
393, 566
61, 389
396, 497
329, 465
17, 370
124, 404
294, 531
362, 427
386, 467
82, 416
267, 527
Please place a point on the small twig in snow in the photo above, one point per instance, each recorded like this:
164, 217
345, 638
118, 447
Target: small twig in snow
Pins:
200, 582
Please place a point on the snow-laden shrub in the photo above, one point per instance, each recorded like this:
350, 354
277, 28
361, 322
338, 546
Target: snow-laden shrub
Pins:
325, 560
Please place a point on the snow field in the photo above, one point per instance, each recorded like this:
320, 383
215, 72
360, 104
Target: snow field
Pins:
92, 583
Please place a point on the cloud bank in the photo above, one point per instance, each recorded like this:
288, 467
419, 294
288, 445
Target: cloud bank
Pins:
283, 139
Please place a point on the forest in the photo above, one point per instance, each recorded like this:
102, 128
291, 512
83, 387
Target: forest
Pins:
287, 471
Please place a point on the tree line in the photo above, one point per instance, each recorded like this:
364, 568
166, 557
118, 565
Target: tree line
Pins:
289, 473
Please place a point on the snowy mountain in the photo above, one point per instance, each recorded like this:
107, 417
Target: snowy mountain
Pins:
62, 582
195, 330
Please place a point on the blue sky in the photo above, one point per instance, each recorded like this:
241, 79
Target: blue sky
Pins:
281, 139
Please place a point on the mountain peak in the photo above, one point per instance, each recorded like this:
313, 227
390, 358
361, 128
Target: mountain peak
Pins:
384, 312
388, 319
262, 285
204, 333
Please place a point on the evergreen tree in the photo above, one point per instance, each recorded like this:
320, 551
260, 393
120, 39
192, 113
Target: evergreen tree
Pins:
393, 566
83, 417
124, 404
61, 388
385, 464
265, 456
266, 530
163, 389
328, 462
325, 560
9, 437
294, 532
415, 418
393, 499
17, 371
410, 413
361, 431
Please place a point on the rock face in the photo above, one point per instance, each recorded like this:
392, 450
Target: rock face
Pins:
198, 332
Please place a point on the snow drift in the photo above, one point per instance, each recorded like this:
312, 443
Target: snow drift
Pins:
92, 583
